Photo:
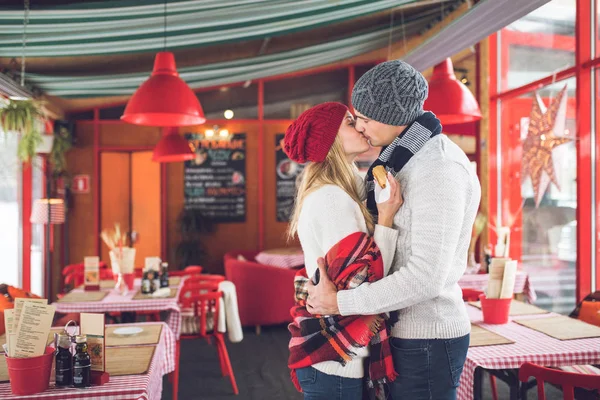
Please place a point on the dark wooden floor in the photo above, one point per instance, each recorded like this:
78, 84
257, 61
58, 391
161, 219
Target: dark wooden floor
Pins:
260, 367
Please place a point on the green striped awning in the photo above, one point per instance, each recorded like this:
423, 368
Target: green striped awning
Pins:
236, 70
94, 28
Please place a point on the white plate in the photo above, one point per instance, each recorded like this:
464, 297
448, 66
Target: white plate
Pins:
127, 331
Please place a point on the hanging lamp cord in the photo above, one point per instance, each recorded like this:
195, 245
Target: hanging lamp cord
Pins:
165, 29
25, 22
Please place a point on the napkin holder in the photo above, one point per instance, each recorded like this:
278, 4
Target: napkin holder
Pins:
100, 377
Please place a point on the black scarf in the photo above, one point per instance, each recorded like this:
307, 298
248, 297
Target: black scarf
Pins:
396, 155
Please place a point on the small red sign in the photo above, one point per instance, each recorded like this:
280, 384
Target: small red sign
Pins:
81, 184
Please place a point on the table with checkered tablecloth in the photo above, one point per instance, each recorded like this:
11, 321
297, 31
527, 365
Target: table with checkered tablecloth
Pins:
146, 386
115, 302
480, 282
530, 346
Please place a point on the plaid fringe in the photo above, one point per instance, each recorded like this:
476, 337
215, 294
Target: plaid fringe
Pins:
316, 338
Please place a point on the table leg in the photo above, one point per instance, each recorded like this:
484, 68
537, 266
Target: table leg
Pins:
176, 372
478, 384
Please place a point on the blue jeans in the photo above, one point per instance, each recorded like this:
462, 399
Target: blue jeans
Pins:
427, 369
319, 386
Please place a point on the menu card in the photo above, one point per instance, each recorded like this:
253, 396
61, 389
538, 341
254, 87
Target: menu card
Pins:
31, 322
502, 275
91, 266
8, 325
152, 263
92, 325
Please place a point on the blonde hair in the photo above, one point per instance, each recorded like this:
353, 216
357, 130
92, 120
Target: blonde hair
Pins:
335, 170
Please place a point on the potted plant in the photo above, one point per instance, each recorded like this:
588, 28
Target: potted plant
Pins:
62, 143
23, 117
192, 226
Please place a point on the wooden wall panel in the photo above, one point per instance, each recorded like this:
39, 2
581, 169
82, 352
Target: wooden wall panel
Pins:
80, 160
227, 237
122, 134
145, 209
241, 236
275, 232
115, 194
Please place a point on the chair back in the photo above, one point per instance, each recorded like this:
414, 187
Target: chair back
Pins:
567, 380
73, 275
471, 294
204, 278
191, 270
203, 298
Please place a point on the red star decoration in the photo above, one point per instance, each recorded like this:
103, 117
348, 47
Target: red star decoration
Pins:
545, 131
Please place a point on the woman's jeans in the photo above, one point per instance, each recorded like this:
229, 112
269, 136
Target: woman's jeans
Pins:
319, 386
427, 369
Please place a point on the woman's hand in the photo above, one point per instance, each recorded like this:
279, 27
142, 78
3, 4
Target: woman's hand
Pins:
388, 209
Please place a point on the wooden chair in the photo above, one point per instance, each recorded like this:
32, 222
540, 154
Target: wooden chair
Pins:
203, 299
568, 381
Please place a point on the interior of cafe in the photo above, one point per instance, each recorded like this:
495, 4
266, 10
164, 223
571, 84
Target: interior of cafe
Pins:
147, 190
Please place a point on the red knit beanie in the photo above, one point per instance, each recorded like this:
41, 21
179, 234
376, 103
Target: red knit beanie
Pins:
312, 134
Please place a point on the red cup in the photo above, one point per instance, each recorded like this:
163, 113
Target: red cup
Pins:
129, 278
495, 311
30, 375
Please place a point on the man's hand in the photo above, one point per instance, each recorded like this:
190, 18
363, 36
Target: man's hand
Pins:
322, 298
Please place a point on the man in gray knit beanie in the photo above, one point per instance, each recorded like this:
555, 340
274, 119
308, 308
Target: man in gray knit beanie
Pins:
392, 93
430, 325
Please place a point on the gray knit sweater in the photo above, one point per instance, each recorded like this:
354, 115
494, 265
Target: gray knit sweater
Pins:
441, 197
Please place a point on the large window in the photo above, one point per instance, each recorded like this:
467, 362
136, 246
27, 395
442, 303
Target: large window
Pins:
554, 235
539, 44
10, 212
543, 232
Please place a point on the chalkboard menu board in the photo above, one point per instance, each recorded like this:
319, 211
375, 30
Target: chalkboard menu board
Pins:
215, 180
285, 177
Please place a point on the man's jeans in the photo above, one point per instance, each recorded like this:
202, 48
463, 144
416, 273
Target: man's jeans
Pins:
319, 386
427, 369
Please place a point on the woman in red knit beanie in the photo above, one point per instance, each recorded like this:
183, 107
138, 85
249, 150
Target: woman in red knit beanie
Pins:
327, 358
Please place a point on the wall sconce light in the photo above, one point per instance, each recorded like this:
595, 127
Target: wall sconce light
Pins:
217, 133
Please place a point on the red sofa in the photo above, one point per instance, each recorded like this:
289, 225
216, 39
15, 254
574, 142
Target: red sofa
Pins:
265, 293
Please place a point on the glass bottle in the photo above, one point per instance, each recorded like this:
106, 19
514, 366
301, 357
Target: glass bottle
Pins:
81, 363
64, 361
164, 275
146, 283
155, 280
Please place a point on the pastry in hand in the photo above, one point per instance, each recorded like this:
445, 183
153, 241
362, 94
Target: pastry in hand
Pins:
380, 175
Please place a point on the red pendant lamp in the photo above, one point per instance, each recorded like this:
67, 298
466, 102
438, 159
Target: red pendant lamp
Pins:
449, 99
172, 147
164, 99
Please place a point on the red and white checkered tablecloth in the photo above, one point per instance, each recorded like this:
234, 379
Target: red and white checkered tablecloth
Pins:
114, 302
128, 387
281, 258
480, 282
530, 346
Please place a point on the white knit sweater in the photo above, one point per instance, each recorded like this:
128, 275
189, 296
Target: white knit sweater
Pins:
441, 197
328, 215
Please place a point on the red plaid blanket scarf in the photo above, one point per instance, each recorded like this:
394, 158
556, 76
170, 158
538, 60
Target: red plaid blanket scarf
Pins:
315, 338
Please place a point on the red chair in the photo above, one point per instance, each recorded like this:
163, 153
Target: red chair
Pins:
204, 278
74, 277
203, 299
191, 270
265, 293
473, 295
568, 381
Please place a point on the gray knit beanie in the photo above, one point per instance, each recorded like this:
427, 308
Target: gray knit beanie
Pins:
392, 93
